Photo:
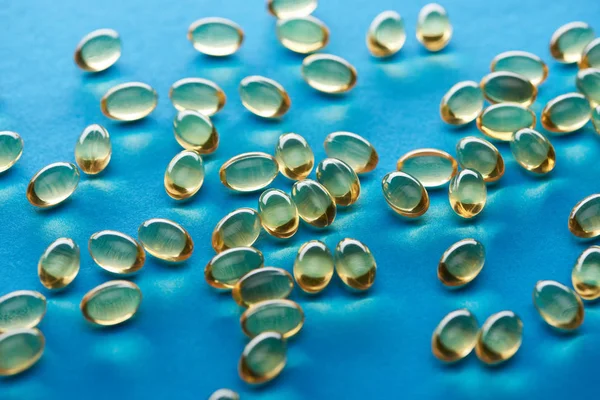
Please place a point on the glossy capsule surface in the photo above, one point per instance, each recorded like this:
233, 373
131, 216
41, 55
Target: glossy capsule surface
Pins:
302, 34
215, 36
508, 87
283, 9
566, 113
239, 228
586, 273
264, 358
98, 50
500, 338
53, 184
558, 305
480, 155
20, 349
197, 94
11, 149
533, 151
590, 58
166, 239
584, 220
225, 269
116, 252
432, 167
195, 131
264, 97
313, 266
281, 315
455, 336
328, 73
462, 103
467, 193
596, 119
354, 264
523, 63
111, 303
433, 27
405, 194
314, 203
129, 101
268, 283
21, 309
93, 149
224, 394
353, 149
59, 265
278, 213
294, 156
569, 41
340, 180
184, 175
588, 83
461, 263
249, 172
386, 34
500, 121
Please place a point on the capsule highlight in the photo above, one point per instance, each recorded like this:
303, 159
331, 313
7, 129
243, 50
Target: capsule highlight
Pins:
59, 265
314, 203
93, 149
129, 101
239, 228
53, 184
386, 34
586, 273
353, 149
278, 213
195, 131
226, 268
467, 193
566, 113
523, 63
197, 94
11, 149
462, 103
98, 50
455, 336
433, 27
533, 151
354, 264
313, 266
294, 156
558, 305
328, 73
480, 155
268, 283
215, 36
302, 34
166, 240
184, 175
500, 121
569, 41
405, 194
264, 97
111, 303
249, 172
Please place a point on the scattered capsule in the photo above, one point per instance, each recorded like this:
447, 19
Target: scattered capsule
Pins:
224, 394
294, 156
462, 103
523, 63
284, 9
93, 149
116, 252
386, 34
586, 273
215, 36
268, 283
21, 309
340, 180
569, 41
461, 263
353, 149
558, 305
508, 87
499, 338
500, 121
588, 83
197, 94
313, 267
455, 336
354, 264
263, 358
195, 131
432, 167
328, 73
226, 268
264, 97
111, 303
166, 239
590, 58
566, 113
184, 175
98, 50
480, 155
467, 193
433, 27
59, 264
314, 203
281, 315
405, 194
533, 151
53, 184
596, 119
584, 220
19, 350
11, 148
249, 172
129, 101
302, 34
239, 228
278, 213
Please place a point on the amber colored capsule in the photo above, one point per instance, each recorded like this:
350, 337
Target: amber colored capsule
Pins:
313, 267
239, 228
263, 359
353, 149
59, 265
386, 34
116, 252
432, 167
20, 349
264, 97
268, 283
500, 121
455, 336
467, 193
533, 151
586, 273
166, 240
405, 194
558, 305
523, 63
433, 27
461, 263
476, 153
566, 113
569, 41
590, 58
53, 184
294, 156
215, 36
328, 73
93, 149
354, 264
508, 87
499, 338
225, 269
315, 204
278, 213
249, 172
340, 180
584, 220
283, 316
111, 303
302, 34
462, 103
21, 309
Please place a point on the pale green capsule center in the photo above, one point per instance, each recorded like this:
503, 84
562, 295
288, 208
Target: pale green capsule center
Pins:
274, 316
557, 302
276, 209
404, 192
11, 148
186, 170
231, 265
503, 335
266, 356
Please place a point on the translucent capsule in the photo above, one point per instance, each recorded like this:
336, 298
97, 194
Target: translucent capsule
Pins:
558, 305
249, 172
264, 97
340, 180
93, 149
59, 264
462, 103
184, 175
116, 252
284, 9
314, 203
313, 267
432, 167
588, 83
11, 148
596, 119
405, 194
568, 41
294, 156
386, 34
467, 193
566, 113
480, 155
590, 58
239, 228
224, 394
215, 36
523, 63
166, 239
111, 303
226, 268
197, 94
455, 336
53, 184
461, 263
268, 283
263, 358
129, 101
281, 315
508, 87
278, 213
433, 27
20, 349
21, 309
354, 264
328, 73
195, 131
584, 220
302, 34
353, 149
500, 121
586, 273
533, 151
499, 338
98, 50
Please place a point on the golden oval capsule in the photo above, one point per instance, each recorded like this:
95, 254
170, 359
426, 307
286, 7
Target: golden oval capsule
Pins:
500, 338
129, 101
239, 228
462, 103
523, 63
184, 175
386, 34
215, 36
264, 97
98, 50
586, 273
59, 265
467, 193
166, 240
352, 149
294, 156
405, 194
226, 268
249, 172
432, 167
500, 121
340, 180
566, 113
111, 303
461, 263
508, 87
201, 95
328, 73
533, 151
480, 155
93, 149
116, 252
283, 9
569, 41
11, 149
596, 119
433, 27
21, 309
354, 264
558, 305
455, 336
224, 394
584, 220
590, 58
278, 213
53, 184
588, 83
313, 266
302, 34
20, 349
268, 283
314, 203
263, 358
195, 131
281, 315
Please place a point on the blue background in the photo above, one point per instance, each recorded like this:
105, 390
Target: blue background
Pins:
185, 342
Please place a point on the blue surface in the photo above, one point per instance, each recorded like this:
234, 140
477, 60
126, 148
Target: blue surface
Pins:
185, 342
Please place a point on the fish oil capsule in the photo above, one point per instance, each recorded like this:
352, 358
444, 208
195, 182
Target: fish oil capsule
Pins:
93, 149
302, 34
461, 263
462, 103
215, 36
284, 9
53, 184
405, 194
239, 228
263, 358
21, 309
98, 50
116, 252
268, 283
129, 101
480, 155
533, 151
386, 34
11, 149
590, 58
508, 87
294, 156
111, 303
314, 203
500, 121
281, 315
433, 27
569, 41
20, 349
588, 83
455, 336
558, 305
566, 113
224, 394
313, 267
352, 149
526, 64
201, 95
328, 73
354, 264
226, 268
59, 265
584, 220
340, 180
249, 172
596, 119
432, 167
195, 131
264, 97
278, 213
184, 175
499, 338
586, 273
467, 193
166, 240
